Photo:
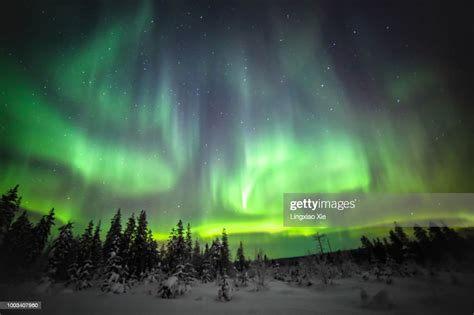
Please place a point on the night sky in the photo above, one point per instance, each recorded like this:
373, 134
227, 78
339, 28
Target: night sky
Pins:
210, 111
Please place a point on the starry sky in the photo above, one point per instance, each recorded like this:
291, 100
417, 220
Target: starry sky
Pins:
208, 111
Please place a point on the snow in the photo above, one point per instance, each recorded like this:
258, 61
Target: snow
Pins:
415, 295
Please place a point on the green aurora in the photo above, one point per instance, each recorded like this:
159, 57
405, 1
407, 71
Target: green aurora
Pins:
209, 113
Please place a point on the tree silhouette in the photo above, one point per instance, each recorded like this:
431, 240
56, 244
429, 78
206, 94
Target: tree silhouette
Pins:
240, 261
224, 255
96, 248
40, 235
9, 205
60, 255
138, 248
18, 244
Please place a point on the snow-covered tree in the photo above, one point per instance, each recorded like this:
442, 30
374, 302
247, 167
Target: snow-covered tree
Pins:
114, 279
242, 279
83, 276
81, 270
225, 289
224, 264
277, 274
197, 258
175, 285
114, 233
127, 240
96, 248
152, 256
206, 266
139, 247
215, 257
60, 257
398, 246
259, 269
85, 244
188, 245
189, 273
240, 261
176, 247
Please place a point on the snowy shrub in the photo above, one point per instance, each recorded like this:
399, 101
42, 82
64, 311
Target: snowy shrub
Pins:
175, 285
259, 269
172, 288
242, 279
152, 276
348, 269
117, 288
225, 290
324, 271
277, 275
206, 275
365, 276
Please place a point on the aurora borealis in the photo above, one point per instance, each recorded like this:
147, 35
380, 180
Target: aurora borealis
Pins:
210, 111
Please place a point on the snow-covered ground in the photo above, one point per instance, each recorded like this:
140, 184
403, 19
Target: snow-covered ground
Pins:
417, 295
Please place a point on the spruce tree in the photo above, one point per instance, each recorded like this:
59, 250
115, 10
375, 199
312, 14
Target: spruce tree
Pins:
379, 250
60, 255
224, 255
115, 232
420, 234
162, 255
81, 270
400, 233
421, 247
17, 247
127, 240
437, 242
215, 257
206, 266
83, 277
170, 250
114, 277
40, 235
85, 244
176, 247
9, 205
367, 247
73, 267
139, 247
188, 244
197, 258
96, 248
152, 251
240, 261
180, 247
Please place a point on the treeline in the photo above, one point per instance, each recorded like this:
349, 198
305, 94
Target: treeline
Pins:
126, 254
21, 242
431, 245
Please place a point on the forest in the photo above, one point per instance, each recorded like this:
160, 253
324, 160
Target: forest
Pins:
129, 256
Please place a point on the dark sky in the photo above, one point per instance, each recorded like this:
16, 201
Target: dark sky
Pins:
210, 111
